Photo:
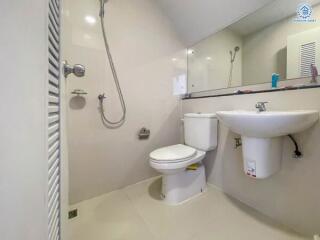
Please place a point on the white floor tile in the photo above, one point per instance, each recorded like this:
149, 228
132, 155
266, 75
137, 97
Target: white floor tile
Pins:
137, 212
110, 217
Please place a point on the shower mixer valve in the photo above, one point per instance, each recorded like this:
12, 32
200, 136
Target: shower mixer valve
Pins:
102, 96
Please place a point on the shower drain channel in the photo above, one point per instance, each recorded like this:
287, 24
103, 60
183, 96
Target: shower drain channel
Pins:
73, 213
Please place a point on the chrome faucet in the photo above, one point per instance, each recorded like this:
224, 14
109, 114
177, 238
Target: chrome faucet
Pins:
261, 106
314, 73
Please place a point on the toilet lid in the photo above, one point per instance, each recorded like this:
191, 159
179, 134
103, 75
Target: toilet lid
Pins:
175, 152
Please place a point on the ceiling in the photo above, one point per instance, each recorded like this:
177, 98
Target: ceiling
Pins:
195, 20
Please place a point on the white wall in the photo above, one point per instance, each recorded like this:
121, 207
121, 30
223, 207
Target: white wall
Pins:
209, 65
142, 42
23, 164
290, 197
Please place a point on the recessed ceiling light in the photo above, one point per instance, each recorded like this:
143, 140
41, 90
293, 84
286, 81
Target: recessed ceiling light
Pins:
90, 19
190, 52
209, 58
174, 59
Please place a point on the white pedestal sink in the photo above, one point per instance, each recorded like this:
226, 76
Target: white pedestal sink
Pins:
262, 136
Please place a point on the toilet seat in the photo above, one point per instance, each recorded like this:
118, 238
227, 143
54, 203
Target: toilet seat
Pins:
163, 159
173, 154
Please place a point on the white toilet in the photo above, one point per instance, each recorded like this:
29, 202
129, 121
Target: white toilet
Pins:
178, 183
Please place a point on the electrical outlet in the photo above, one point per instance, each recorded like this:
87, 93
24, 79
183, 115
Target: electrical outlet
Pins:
73, 213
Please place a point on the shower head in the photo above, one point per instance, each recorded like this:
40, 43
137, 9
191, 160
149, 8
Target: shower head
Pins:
234, 53
102, 3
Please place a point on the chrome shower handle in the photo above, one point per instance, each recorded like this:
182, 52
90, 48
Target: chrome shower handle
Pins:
77, 69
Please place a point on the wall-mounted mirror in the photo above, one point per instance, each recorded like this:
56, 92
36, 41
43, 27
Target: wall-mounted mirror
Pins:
283, 37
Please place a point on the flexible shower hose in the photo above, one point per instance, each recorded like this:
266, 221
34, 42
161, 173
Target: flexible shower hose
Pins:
115, 78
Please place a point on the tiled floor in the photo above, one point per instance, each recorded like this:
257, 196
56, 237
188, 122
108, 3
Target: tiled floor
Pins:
136, 213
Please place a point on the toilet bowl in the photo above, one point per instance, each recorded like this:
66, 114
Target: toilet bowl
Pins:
179, 183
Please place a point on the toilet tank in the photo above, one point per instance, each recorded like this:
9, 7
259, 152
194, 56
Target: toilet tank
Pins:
200, 130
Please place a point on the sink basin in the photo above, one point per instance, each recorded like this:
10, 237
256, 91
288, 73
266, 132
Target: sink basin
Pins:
262, 136
268, 124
